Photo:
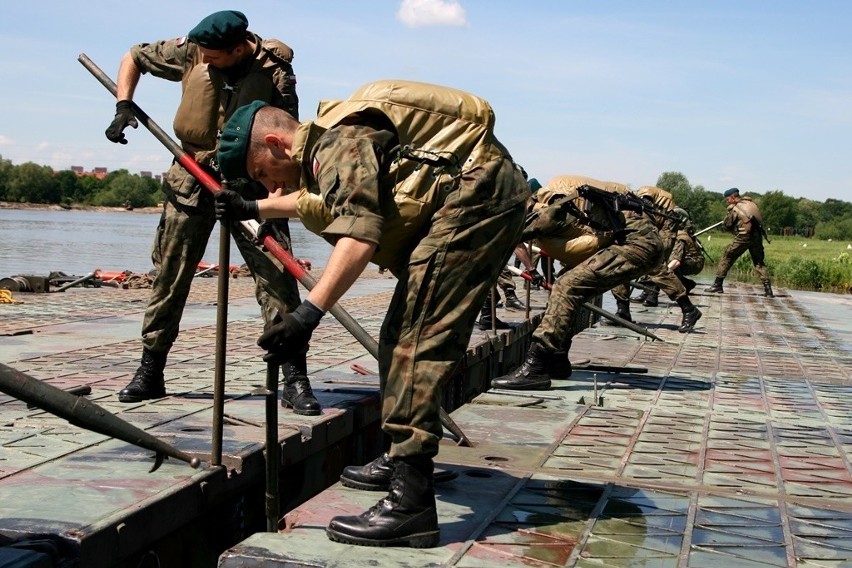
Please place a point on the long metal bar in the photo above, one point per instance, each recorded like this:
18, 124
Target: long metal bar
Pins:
80, 411
710, 228
273, 495
221, 344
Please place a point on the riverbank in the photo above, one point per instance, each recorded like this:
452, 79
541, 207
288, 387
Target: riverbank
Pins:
75, 207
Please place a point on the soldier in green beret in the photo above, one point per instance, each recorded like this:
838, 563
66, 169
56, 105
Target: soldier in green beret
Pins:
221, 66
411, 177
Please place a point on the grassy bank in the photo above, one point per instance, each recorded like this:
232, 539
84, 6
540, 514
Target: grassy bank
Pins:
793, 262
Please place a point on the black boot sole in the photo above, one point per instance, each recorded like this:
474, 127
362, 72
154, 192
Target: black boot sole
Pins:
300, 412
429, 539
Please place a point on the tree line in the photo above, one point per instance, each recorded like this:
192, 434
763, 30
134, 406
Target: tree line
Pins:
782, 214
32, 183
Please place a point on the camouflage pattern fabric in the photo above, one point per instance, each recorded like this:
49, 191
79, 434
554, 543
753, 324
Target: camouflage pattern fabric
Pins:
753, 243
188, 219
431, 317
607, 269
687, 252
179, 244
505, 280
661, 275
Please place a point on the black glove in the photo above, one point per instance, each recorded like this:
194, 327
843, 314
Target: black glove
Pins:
536, 279
230, 206
292, 334
123, 118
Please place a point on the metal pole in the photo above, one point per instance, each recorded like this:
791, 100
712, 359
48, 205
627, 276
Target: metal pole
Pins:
273, 495
710, 228
82, 412
221, 343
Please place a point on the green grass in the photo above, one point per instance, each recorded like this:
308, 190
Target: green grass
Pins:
793, 262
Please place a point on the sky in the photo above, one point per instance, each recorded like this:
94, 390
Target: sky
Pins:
755, 94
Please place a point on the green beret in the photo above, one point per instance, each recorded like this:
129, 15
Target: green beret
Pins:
535, 185
234, 142
732, 191
220, 30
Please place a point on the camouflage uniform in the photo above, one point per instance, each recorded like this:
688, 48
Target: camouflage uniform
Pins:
660, 274
188, 219
608, 268
687, 252
747, 237
444, 275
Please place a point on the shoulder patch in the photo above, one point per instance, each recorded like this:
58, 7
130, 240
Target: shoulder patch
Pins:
316, 167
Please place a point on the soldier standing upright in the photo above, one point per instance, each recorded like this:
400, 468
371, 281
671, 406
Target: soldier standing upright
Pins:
746, 222
222, 66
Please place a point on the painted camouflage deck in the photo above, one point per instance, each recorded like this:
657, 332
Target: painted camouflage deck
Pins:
733, 450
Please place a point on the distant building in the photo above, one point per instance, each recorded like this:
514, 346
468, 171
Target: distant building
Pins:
99, 173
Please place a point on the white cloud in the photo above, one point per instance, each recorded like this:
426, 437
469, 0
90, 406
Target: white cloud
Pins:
417, 13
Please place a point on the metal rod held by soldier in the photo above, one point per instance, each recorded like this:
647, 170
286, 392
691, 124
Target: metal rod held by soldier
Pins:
273, 494
710, 228
84, 413
221, 344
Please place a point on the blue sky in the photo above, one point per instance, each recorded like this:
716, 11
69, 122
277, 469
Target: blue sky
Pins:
753, 94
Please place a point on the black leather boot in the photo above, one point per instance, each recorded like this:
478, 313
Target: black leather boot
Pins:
767, 290
374, 476
297, 392
688, 283
691, 315
512, 300
484, 322
407, 516
653, 298
641, 297
536, 371
623, 310
716, 287
148, 381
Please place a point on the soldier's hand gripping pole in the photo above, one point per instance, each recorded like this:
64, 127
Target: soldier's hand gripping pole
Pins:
274, 247
80, 411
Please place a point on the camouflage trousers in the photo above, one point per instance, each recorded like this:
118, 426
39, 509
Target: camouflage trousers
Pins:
754, 245
609, 268
505, 280
179, 245
427, 329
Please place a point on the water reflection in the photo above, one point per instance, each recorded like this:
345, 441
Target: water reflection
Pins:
78, 242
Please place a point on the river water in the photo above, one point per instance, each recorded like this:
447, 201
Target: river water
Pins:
38, 242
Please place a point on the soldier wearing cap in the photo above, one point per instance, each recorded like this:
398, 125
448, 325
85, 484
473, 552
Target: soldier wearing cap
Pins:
221, 66
411, 177
746, 222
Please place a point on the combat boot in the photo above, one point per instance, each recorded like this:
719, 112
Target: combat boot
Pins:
688, 283
716, 287
148, 381
512, 301
407, 516
653, 298
374, 476
691, 315
485, 321
623, 310
536, 371
641, 297
296, 392
767, 290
